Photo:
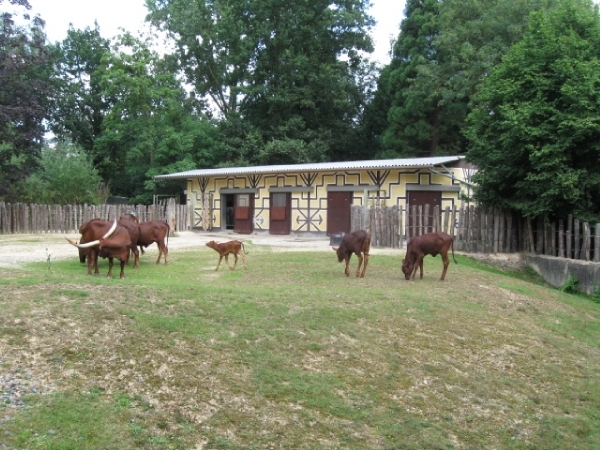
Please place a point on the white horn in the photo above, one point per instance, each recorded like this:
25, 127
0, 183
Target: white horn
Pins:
111, 231
87, 244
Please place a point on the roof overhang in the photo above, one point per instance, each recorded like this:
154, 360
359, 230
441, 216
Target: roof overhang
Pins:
376, 164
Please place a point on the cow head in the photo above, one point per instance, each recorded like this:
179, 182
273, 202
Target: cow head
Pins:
340, 254
211, 244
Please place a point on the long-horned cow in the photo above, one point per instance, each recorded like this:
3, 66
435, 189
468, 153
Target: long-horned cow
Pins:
427, 244
101, 238
358, 242
133, 227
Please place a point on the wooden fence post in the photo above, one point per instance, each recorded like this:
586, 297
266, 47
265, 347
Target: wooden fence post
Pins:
597, 242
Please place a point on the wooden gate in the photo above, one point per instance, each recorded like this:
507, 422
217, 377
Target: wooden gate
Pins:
338, 212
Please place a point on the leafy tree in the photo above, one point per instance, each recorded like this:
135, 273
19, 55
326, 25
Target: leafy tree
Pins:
152, 125
79, 106
24, 90
534, 131
65, 175
278, 72
444, 51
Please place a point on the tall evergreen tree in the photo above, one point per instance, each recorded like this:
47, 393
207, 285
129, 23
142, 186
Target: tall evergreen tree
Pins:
24, 93
79, 106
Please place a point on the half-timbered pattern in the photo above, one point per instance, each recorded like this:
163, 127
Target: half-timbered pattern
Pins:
317, 197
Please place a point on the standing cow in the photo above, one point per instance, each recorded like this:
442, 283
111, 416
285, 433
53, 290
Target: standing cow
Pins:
427, 244
151, 232
100, 238
358, 242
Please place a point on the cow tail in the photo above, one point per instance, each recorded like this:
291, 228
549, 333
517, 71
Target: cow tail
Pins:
452, 245
244, 248
168, 232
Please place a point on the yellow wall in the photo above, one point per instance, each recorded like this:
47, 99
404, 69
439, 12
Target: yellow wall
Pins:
309, 209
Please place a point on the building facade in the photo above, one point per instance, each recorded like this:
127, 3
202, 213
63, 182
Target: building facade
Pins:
316, 198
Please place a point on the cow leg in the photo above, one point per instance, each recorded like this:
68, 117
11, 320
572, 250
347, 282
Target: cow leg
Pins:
365, 262
227, 261
235, 260
243, 259
122, 274
418, 263
446, 264
421, 268
347, 271
220, 258
110, 266
136, 254
162, 250
360, 261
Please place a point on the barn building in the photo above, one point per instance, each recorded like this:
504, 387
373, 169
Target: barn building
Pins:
316, 198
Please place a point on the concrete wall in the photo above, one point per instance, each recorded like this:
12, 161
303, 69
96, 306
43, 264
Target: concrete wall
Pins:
556, 271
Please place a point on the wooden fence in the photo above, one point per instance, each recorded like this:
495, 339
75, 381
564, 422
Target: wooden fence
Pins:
37, 219
478, 230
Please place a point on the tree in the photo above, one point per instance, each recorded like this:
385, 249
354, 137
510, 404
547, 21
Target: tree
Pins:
152, 125
66, 176
79, 107
444, 51
534, 131
278, 72
24, 90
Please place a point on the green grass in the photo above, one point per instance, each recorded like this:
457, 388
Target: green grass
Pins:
292, 354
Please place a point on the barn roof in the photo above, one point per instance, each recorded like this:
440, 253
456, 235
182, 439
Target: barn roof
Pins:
404, 163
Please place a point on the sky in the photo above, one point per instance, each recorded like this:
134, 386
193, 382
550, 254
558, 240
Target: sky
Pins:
129, 14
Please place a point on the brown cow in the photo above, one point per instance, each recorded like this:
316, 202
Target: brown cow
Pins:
129, 221
427, 244
101, 238
232, 247
155, 231
358, 242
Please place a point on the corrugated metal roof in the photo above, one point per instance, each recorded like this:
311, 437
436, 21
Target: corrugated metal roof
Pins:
405, 163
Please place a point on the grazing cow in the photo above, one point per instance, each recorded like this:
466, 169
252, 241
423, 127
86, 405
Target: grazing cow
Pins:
155, 231
101, 238
232, 247
427, 244
358, 242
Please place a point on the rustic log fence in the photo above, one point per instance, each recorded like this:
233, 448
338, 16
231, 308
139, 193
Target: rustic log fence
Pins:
477, 230
20, 218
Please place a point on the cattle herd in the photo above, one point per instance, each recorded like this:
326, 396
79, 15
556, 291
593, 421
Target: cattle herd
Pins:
121, 238
118, 239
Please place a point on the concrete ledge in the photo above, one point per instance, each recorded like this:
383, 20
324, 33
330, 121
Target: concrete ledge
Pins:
556, 271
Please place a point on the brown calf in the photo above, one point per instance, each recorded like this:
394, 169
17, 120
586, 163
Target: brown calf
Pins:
427, 244
358, 242
225, 248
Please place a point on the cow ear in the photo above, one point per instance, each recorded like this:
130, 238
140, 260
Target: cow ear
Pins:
335, 249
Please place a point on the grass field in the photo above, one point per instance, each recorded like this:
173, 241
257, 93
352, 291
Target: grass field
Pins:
291, 354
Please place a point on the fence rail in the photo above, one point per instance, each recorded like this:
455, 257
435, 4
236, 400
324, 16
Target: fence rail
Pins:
477, 230
38, 219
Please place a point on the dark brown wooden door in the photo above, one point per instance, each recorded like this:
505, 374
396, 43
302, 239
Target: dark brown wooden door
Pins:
279, 213
422, 198
244, 213
338, 212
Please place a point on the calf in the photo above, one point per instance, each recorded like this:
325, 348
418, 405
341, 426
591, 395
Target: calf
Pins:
225, 248
427, 244
358, 242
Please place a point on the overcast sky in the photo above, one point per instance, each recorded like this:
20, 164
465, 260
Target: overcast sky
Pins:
129, 14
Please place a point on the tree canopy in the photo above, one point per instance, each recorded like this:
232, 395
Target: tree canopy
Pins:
534, 130
282, 75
